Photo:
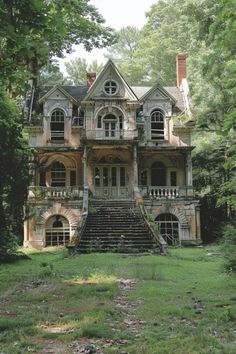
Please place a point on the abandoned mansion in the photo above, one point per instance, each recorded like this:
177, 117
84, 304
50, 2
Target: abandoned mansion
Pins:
112, 166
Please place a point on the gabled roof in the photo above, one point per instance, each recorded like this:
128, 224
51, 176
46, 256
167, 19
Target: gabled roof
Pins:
63, 92
159, 88
110, 65
173, 91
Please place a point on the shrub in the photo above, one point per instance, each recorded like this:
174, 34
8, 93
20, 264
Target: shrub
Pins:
229, 247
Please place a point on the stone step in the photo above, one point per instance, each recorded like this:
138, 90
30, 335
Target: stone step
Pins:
113, 225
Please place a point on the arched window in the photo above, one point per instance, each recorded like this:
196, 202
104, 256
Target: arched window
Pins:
57, 231
57, 125
168, 228
110, 125
58, 174
158, 174
157, 125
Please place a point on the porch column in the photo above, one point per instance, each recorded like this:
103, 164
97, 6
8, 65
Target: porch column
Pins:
135, 166
84, 160
189, 172
198, 223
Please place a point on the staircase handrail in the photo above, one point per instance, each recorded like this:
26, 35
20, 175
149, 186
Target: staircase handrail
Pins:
158, 238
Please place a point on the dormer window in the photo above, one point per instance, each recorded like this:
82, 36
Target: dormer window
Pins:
110, 87
157, 125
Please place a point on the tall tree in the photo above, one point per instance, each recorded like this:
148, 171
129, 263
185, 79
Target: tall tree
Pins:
123, 53
32, 32
50, 75
77, 69
14, 176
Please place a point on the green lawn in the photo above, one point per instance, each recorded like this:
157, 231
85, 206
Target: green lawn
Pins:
182, 303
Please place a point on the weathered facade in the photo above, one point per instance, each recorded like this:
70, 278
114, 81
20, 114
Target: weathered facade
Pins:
110, 141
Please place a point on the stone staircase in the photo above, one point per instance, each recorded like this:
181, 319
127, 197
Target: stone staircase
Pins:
115, 226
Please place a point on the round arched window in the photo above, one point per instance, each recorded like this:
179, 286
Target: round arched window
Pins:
57, 125
110, 87
157, 125
168, 228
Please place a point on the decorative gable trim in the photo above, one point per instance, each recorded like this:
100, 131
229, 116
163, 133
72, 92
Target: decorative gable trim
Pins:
109, 65
162, 92
62, 91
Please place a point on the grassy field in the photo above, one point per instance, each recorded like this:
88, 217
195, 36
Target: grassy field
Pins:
182, 303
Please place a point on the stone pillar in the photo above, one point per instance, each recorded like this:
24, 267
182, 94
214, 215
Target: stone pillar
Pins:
189, 173
198, 223
32, 170
84, 160
135, 166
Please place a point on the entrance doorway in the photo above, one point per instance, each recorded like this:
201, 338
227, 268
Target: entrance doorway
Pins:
158, 174
110, 181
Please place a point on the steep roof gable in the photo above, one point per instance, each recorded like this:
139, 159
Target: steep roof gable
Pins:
60, 90
110, 72
158, 92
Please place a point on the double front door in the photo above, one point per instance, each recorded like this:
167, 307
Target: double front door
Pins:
110, 181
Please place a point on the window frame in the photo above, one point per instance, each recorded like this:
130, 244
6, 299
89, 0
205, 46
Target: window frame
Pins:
108, 87
158, 132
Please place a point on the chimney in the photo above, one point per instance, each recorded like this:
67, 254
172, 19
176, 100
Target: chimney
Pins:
180, 68
91, 77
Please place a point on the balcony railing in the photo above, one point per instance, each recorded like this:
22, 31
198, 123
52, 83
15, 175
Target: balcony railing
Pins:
39, 192
166, 192
111, 134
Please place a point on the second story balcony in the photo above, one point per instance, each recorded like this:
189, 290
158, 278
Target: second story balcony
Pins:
111, 134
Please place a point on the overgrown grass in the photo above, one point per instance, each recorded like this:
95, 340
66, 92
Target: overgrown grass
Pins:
55, 297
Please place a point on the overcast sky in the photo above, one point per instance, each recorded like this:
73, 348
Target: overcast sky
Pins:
117, 13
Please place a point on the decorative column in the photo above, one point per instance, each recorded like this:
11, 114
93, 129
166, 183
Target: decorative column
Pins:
84, 160
198, 223
189, 172
135, 166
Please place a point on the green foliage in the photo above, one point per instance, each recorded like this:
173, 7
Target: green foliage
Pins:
229, 247
209, 173
33, 31
50, 75
14, 177
78, 68
124, 54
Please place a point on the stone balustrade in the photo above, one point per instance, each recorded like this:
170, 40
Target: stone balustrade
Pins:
166, 192
69, 192
111, 134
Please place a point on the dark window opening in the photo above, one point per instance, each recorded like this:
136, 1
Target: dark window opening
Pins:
173, 178
158, 174
143, 178
122, 177
73, 178
42, 178
99, 122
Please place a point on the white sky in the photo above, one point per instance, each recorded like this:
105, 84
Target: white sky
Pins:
117, 13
